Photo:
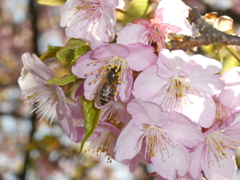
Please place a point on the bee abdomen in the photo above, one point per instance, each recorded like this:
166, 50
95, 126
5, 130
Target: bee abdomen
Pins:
106, 93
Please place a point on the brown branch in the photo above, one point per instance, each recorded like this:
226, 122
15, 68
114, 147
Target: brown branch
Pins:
33, 13
209, 35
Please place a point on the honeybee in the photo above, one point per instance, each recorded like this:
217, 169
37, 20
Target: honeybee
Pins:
108, 88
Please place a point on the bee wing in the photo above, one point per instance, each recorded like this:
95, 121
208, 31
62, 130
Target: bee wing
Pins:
97, 93
108, 90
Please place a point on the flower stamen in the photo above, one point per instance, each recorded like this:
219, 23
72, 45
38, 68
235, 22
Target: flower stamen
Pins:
175, 93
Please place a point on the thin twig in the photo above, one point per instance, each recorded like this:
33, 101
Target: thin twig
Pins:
209, 35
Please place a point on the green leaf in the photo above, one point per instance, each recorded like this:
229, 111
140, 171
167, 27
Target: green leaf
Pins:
81, 50
50, 53
91, 117
66, 54
51, 2
63, 81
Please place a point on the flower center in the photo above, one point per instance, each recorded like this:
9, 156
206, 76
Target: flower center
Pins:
104, 143
45, 100
88, 9
222, 112
88, 13
156, 140
216, 143
119, 64
175, 93
158, 32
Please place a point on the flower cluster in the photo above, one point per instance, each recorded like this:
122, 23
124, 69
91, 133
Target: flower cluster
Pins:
165, 108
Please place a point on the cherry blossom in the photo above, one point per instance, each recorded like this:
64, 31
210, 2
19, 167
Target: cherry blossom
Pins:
115, 111
90, 20
95, 65
215, 155
182, 83
168, 19
103, 139
164, 136
48, 99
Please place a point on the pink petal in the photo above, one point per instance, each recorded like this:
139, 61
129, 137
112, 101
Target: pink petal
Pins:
205, 83
67, 17
90, 88
230, 95
182, 128
141, 56
107, 21
36, 67
76, 110
195, 165
66, 123
225, 168
111, 50
85, 65
158, 14
92, 41
80, 90
202, 110
173, 63
147, 112
230, 98
79, 134
143, 22
168, 166
107, 127
28, 81
213, 66
148, 84
176, 15
125, 88
232, 130
127, 142
125, 36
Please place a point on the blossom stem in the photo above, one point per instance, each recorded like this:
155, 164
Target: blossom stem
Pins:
233, 52
146, 10
129, 14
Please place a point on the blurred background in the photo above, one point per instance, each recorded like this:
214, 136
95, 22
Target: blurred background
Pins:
35, 150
